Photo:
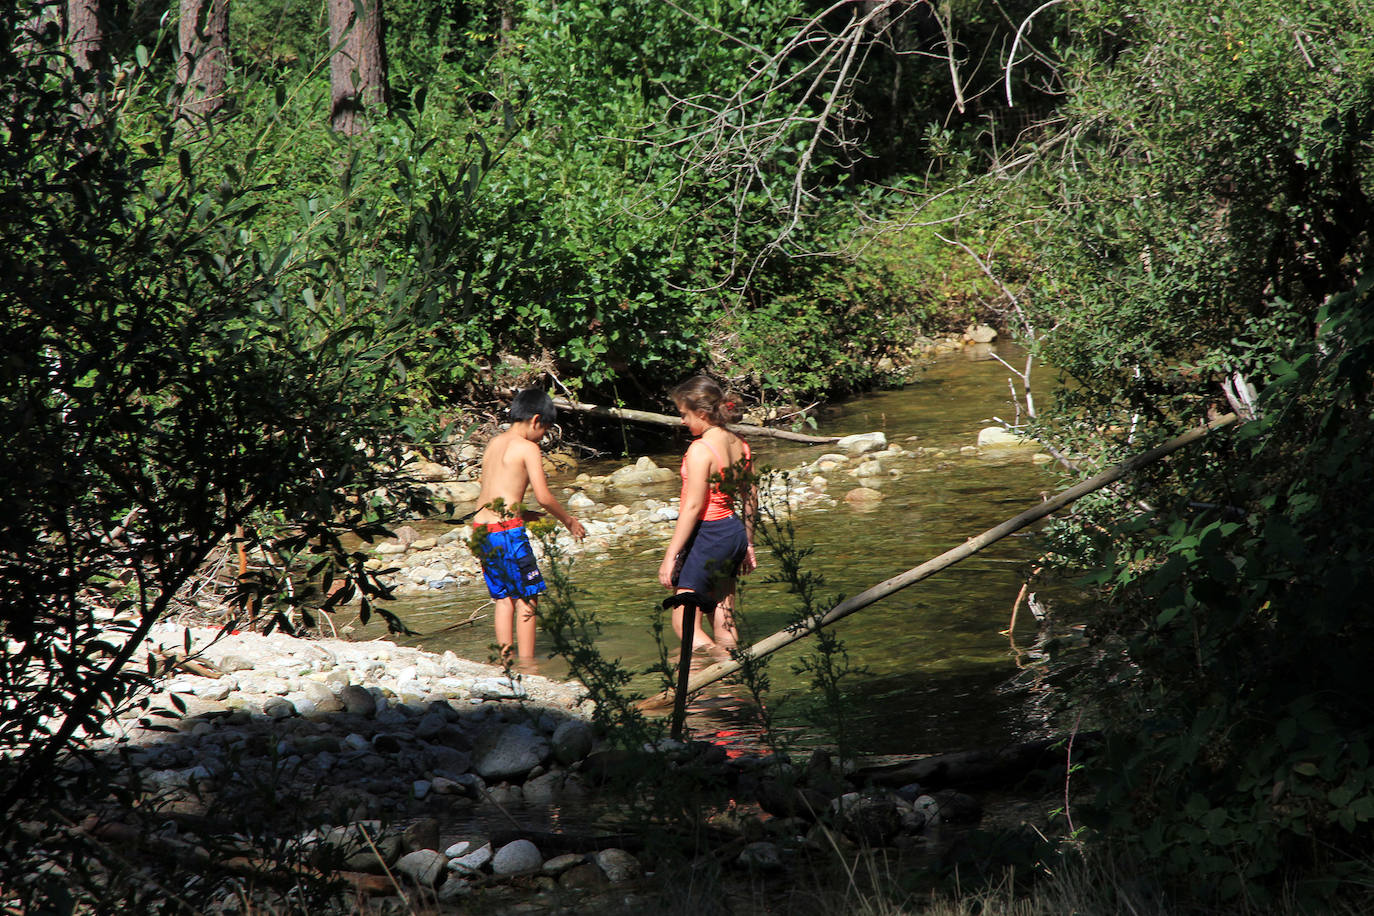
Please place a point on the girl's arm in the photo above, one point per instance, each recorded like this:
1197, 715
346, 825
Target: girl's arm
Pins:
750, 509
690, 507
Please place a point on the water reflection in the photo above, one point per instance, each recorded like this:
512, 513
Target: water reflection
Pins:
933, 656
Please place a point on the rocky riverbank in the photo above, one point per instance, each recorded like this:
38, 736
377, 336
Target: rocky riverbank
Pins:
397, 770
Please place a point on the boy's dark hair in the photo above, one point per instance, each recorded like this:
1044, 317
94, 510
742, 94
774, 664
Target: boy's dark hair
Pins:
532, 403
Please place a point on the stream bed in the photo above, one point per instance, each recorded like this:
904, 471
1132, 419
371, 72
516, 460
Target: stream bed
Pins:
932, 662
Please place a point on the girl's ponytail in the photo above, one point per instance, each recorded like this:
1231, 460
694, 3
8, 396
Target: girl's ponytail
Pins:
704, 394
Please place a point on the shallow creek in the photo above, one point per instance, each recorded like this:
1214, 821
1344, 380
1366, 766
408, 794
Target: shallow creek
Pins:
935, 664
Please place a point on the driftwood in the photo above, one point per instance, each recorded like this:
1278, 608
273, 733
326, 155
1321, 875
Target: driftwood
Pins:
806, 627
169, 661
1000, 768
644, 416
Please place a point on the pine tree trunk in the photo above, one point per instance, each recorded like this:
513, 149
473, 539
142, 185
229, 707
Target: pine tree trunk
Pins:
204, 40
84, 35
357, 69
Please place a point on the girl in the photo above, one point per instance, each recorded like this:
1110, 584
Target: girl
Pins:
711, 543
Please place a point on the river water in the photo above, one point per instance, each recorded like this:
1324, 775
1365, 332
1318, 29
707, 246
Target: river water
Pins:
935, 666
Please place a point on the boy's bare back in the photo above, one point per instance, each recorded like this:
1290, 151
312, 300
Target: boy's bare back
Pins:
505, 473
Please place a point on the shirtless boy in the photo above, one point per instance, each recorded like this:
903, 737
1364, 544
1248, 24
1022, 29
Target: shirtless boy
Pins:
511, 465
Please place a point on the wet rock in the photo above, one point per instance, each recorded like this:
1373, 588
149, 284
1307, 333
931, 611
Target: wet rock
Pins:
517, 858
618, 865
867, 820
453, 889
543, 790
863, 496
956, 807
472, 862
559, 864
979, 334
995, 437
424, 866
862, 443
761, 856
587, 876
422, 834
572, 741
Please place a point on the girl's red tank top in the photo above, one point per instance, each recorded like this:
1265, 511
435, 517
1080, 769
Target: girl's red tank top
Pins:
719, 504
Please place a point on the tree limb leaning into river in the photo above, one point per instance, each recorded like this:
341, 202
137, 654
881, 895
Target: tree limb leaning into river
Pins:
644, 416
803, 628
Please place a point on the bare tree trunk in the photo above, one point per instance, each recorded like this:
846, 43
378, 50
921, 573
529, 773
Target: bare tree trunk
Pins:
204, 41
357, 69
85, 42
84, 35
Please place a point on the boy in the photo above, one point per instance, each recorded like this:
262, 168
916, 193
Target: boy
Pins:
510, 465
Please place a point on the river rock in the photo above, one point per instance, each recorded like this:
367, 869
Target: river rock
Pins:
580, 501
559, 864
508, 752
572, 741
545, 789
979, 334
996, 437
422, 834
516, 858
642, 473
761, 856
498, 688
863, 496
424, 866
618, 865
862, 443
472, 862
358, 701
869, 468
582, 877
869, 821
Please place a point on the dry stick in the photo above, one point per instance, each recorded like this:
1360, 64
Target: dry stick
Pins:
644, 416
929, 568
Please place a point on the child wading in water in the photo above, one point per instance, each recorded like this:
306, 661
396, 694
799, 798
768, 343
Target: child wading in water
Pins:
511, 464
711, 544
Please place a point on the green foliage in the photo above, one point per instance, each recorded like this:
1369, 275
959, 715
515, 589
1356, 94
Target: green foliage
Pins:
1244, 633
1210, 216
1189, 206
172, 373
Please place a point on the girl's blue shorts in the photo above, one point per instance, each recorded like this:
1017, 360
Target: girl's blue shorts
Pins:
712, 556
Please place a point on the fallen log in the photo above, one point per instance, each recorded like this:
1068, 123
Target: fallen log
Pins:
996, 768
644, 416
806, 627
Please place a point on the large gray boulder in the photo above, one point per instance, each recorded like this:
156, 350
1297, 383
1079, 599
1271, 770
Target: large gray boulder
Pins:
572, 740
509, 752
516, 858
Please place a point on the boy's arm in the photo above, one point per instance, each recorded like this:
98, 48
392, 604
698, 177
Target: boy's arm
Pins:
539, 484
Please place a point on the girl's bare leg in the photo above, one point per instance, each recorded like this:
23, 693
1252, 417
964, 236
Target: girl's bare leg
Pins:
699, 638
723, 621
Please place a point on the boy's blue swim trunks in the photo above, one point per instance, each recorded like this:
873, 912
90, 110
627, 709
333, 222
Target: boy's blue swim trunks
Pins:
508, 564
